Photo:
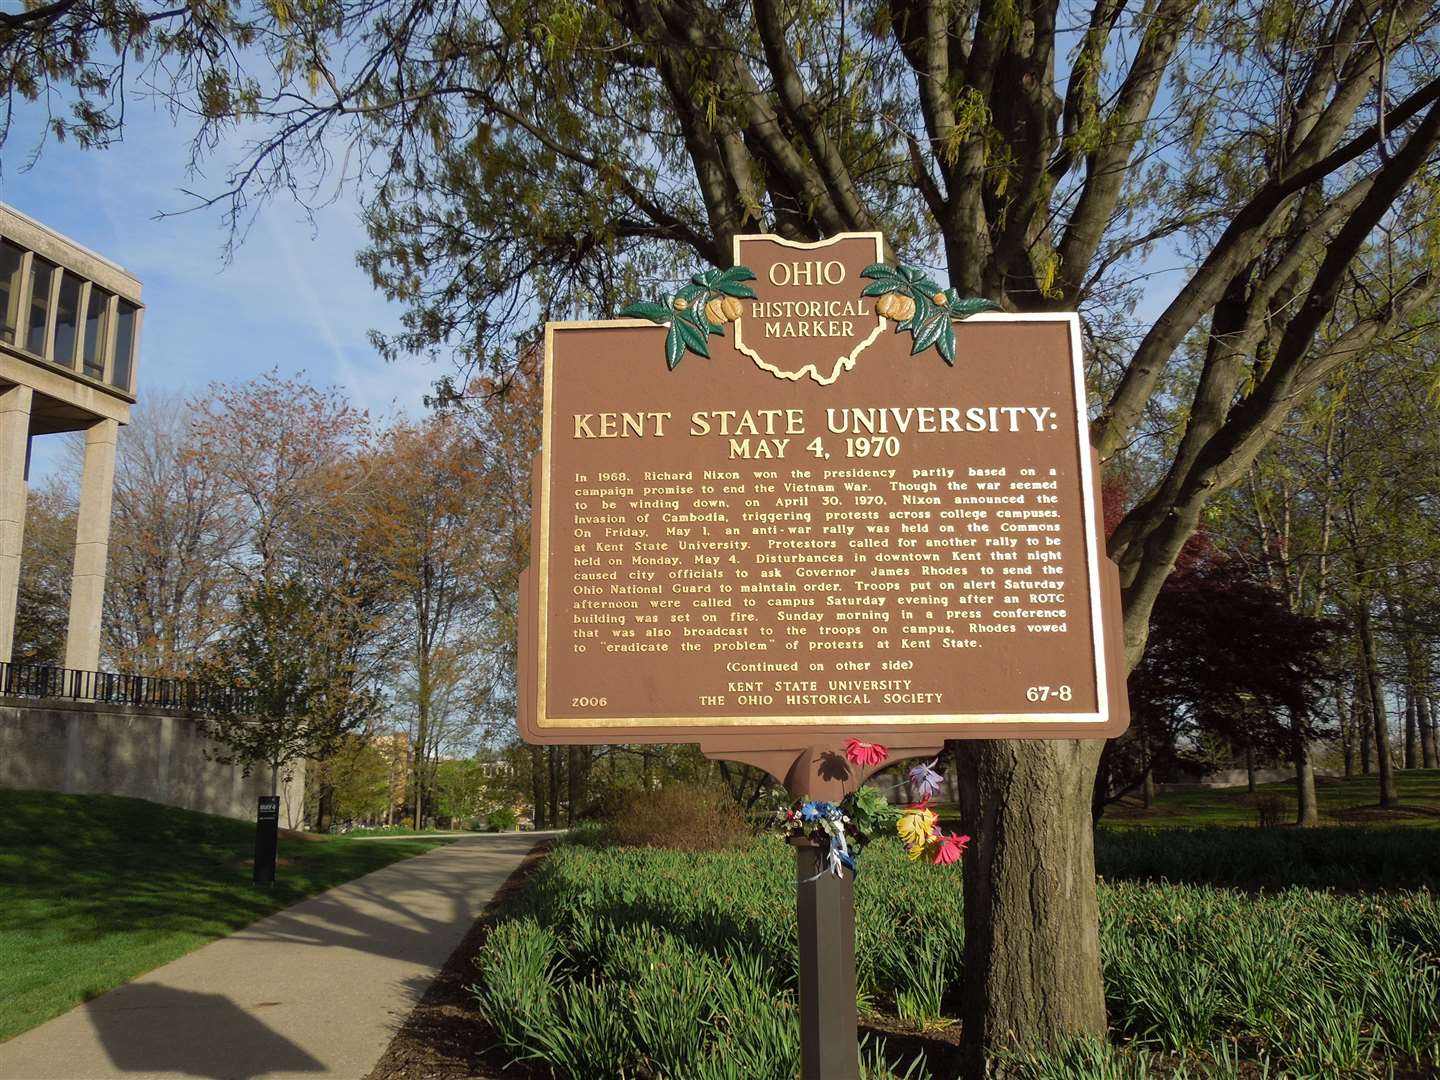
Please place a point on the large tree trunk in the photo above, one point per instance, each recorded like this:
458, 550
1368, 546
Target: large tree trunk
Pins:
1376, 695
1032, 943
1147, 776
1426, 716
422, 726
553, 754
1345, 718
537, 785
325, 807
1308, 810
576, 767
1361, 714
1412, 735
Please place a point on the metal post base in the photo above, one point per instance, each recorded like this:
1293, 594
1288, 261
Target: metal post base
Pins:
829, 1025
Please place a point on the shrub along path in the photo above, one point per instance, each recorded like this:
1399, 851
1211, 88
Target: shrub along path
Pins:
314, 990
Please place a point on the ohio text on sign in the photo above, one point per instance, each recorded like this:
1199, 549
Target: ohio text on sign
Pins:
877, 542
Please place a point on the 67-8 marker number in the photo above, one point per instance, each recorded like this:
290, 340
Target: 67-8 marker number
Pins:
1045, 693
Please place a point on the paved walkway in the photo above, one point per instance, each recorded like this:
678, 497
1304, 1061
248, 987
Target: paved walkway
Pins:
314, 991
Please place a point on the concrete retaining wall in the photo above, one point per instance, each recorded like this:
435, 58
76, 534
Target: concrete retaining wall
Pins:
85, 748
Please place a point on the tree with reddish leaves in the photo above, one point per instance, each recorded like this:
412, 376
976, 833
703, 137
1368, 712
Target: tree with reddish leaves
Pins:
1227, 658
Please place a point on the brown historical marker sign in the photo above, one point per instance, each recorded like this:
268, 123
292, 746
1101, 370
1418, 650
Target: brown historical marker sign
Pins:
866, 511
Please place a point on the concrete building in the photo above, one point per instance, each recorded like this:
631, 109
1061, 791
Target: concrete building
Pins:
69, 347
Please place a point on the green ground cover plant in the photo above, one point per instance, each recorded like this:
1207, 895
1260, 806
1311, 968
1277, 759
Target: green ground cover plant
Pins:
618, 961
97, 889
1323, 858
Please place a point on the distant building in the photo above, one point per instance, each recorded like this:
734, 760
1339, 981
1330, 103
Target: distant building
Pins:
69, 347
395, 748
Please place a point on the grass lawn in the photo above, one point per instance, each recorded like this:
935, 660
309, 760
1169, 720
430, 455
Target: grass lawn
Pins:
97, 889
1352, 802
1355, 801
400, 830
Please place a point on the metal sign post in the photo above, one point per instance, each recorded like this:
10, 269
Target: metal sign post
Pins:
267, 839
825, 912
824, 907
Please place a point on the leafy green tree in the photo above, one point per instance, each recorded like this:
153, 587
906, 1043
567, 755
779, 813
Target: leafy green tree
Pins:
357, 776
1343, 508
501, 819
282, 701
424, 525
523, 160
461, 790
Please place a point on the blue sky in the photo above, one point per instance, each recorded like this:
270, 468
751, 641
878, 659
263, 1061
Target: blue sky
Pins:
292, 298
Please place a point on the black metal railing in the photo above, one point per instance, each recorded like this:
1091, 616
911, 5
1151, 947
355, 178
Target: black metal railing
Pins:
114, 688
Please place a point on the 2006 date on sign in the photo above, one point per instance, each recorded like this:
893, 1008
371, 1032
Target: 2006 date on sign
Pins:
587, 702
1048, 693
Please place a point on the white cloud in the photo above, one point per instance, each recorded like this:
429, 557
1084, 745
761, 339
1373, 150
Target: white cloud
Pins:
292, 298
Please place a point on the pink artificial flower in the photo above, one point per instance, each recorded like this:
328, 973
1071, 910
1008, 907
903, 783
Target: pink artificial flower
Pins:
865, 753
948, 849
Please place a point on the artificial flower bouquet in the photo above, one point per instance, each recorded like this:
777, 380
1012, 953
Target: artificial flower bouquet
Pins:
844, 828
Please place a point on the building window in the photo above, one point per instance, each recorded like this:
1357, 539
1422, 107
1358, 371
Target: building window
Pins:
96, 309
124, 345
67, 321
36, 325
11, 259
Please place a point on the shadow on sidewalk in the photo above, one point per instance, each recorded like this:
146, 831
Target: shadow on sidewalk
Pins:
382, 921
150, 1029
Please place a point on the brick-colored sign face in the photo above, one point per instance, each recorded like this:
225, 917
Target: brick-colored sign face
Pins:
881, 543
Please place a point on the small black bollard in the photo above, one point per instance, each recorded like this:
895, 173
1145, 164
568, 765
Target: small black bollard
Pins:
267, 839
829, 1025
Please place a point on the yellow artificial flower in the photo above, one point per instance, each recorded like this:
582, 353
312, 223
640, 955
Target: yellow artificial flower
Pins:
915, 827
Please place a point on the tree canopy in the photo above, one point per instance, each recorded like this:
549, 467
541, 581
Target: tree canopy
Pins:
520, 161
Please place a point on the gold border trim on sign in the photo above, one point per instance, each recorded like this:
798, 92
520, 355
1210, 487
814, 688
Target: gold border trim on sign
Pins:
1079, 720
842, 363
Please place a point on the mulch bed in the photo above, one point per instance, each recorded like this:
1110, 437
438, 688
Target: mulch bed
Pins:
941, 1043
444, 1038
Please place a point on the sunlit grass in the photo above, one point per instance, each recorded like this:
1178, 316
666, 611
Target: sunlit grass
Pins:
1353, 801
96, 889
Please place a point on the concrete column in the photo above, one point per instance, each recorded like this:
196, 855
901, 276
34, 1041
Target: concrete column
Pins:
14, 449
92, 544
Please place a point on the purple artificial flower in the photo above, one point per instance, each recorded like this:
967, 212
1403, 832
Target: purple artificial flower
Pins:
925, 779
